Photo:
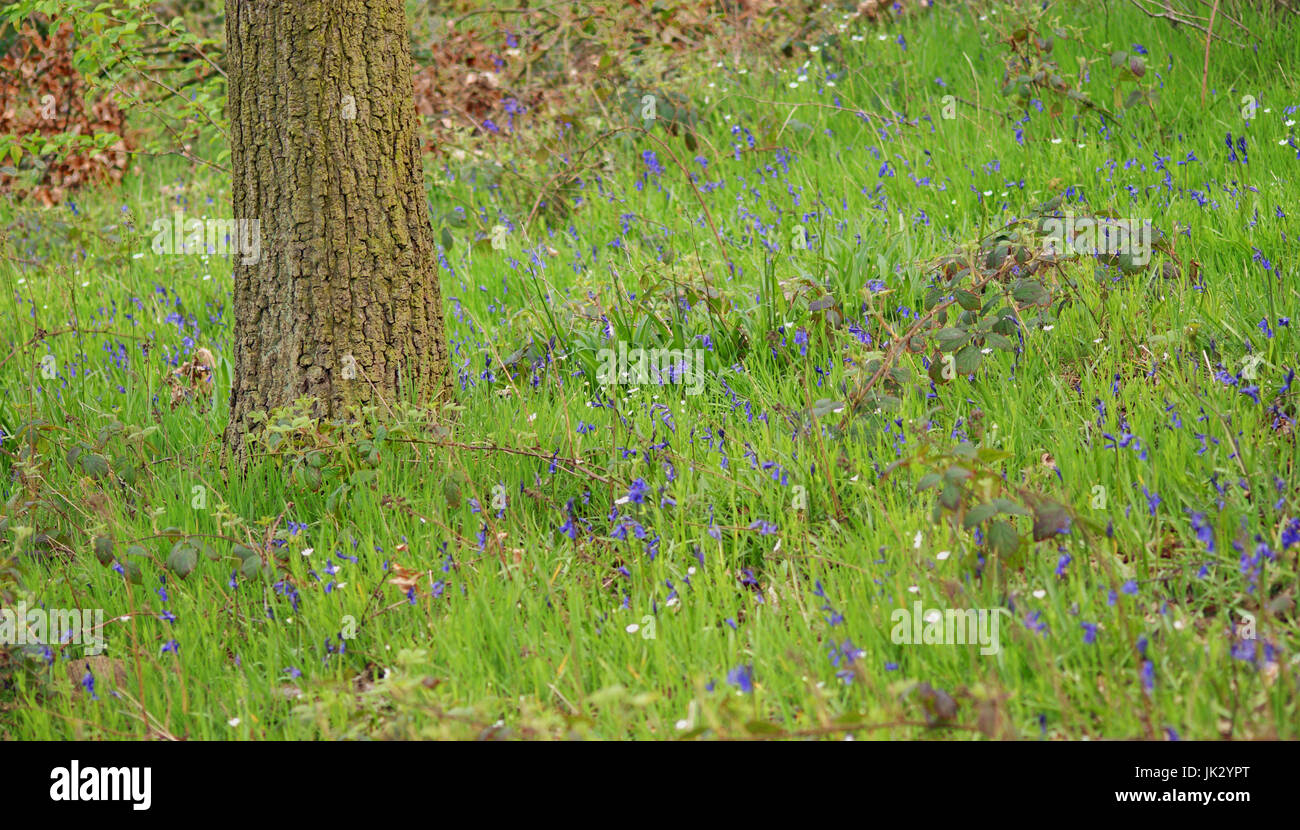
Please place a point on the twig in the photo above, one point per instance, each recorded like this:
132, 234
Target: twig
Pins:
1205, 73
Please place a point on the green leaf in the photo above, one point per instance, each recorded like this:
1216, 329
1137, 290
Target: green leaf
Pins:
451, 494
251, 567
950, 496
968, 360
94, 465
900, 374
103, 546
968, 300
1003, 538
1009, 507
997, 341
1030, 292
956, 474
825, 406
978, 514
183, 558
997, 256
936, 372
132, 564
927, 481
951, 339
1129, 264
762, 727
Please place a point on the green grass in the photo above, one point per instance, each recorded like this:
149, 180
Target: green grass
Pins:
516, 629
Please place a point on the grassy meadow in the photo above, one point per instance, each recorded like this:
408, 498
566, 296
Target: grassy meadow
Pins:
1106, 472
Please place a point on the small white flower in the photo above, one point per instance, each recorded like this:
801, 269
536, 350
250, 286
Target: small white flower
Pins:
942, 555
1039, 594
233, 722
633, 628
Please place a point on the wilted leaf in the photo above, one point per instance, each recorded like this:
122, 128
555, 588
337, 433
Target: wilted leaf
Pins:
1050, 519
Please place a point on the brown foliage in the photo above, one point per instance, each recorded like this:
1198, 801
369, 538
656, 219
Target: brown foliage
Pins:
41, 93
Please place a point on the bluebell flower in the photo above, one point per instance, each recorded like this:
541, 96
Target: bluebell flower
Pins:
742, 677
1089, 632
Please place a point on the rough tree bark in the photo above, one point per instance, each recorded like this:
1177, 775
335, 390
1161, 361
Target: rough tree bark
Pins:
342, 304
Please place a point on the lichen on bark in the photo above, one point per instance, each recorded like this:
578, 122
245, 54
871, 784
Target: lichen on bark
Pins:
342, 304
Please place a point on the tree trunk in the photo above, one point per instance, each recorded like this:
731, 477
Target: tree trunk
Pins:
341, 304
